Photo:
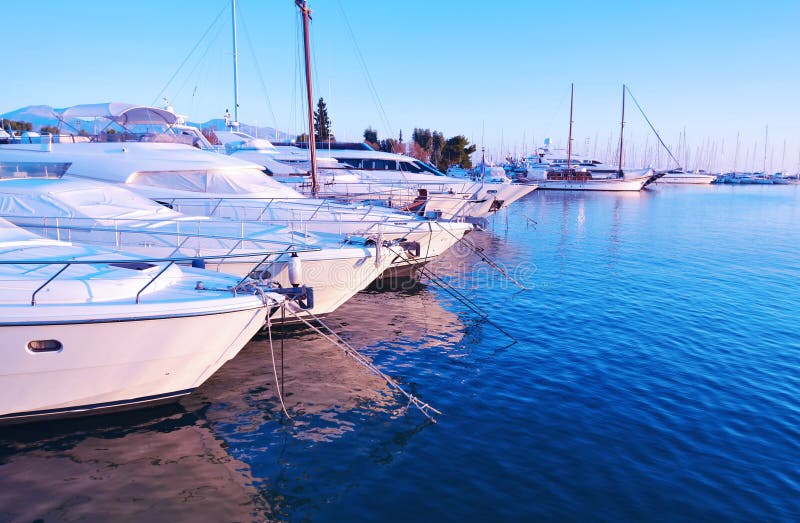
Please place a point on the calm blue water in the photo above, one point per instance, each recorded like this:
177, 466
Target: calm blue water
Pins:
655, 376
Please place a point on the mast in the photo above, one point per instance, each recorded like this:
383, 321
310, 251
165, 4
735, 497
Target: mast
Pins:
766, 139
622, 132
569, 143
312, 142
235, 123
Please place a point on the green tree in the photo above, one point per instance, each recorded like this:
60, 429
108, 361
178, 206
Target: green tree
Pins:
50, 129
371, 138
301, 138
390, 145
456, 150
423, 138
437, 145
322, 123
15, 125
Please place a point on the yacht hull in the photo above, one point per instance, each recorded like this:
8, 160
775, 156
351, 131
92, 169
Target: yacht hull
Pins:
610, 184
692, 179
113, 363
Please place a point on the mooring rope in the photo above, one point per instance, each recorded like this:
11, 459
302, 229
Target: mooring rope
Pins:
278, 384
455, 293
427, 410
479, 251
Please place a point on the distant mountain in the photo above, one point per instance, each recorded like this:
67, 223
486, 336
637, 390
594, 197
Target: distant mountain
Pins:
38, 115
270, 133
41, 115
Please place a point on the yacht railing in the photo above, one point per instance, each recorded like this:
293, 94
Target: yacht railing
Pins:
301, 211
121, 262
63, 228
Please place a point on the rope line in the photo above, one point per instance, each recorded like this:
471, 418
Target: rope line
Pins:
427, 410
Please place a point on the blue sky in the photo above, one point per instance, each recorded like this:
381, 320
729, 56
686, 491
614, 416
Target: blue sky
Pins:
498, 72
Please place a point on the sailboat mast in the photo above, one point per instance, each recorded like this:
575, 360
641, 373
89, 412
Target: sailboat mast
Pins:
235, 123
766, 140
622, 132
312, 142
569, 143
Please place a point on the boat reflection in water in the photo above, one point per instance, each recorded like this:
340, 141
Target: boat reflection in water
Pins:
228, 453
155, 465
323, 389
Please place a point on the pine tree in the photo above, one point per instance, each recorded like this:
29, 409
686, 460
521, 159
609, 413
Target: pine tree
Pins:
322, 123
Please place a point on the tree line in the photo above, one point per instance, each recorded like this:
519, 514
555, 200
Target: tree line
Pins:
426, 145
20, 126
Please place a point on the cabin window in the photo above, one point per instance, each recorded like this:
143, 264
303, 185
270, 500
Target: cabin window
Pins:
44, 346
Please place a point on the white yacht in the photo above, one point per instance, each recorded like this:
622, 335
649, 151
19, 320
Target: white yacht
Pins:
690, 177
84, 331
375, 174
98, 213
566, 170
202, 183
555, 169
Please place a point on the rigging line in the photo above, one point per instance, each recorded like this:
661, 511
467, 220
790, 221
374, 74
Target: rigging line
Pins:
278, 384
196, 45
297, 105
349, 350
455, 293
365, 69
479, 252
242, 18
651, 127
211, 42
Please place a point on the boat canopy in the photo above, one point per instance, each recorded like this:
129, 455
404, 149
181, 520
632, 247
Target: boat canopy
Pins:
77, 199
118, 112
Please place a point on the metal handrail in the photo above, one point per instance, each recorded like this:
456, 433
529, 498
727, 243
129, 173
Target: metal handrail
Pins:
154, 278
118, 230
42, 286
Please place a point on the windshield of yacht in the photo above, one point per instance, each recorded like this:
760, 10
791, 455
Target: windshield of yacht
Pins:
33, 169
237, 182
427, 168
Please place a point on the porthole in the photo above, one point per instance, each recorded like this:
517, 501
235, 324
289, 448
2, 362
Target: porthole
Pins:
44, 346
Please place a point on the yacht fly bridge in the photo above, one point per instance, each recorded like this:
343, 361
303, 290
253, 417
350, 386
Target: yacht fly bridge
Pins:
124, 122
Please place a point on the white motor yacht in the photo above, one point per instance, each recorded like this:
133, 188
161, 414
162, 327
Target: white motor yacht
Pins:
98, 213
690, 177
84, 331
366, 173
199, 182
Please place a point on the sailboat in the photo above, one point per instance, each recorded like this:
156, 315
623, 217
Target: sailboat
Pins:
550, 170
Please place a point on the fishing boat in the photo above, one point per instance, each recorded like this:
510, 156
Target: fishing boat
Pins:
86, 331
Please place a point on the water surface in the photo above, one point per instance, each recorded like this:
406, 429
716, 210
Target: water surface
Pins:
652, 375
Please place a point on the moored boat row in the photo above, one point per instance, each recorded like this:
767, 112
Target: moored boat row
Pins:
185, 254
